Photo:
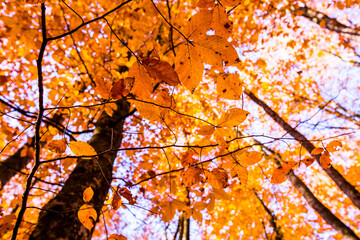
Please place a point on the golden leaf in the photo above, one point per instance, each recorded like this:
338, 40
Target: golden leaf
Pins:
143, 83
206, 130
233, 117
58, 146
88, 194
215, 50
189, 66
229, 86
87, 216
250, 158
80, 148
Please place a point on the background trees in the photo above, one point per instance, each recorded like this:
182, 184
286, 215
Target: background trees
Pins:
191, 154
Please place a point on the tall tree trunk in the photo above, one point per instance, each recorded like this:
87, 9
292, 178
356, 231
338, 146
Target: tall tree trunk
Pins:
310, 198
58, 218
17, 162
340, 181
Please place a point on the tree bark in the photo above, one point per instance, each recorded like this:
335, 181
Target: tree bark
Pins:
310, 198
329, 23
58, 218
340, 181
15, 163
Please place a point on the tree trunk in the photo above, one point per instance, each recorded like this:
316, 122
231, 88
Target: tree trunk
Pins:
58, 218
340, 181
15, 163
310, 198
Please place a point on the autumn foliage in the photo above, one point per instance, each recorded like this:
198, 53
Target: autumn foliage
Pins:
205, 119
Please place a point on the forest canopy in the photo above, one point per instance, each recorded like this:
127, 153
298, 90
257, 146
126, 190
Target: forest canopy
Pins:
202, 119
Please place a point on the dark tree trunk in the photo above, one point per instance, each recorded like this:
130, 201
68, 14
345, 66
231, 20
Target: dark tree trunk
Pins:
16, 163
58, 218
340, 181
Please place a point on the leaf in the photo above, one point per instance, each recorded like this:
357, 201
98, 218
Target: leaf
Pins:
161, 71
233, 117
278, 176
122, 87
220, 22
188, 158
215, 50
149, 111
88, 194
250, 158
103, 88
80, 148
143, 83
57, 146
189, 66
325, 160
3, 80
117, 237
110, 108
308, 161
317, 151
206, 130
116, 201
333, 146
87, 216
217, 178
192, 176
229, 86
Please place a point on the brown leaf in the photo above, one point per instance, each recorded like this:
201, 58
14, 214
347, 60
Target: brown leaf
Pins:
122, 87
58, 146
161, 71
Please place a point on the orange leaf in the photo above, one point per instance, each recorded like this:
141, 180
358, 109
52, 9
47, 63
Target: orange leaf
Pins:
103, 88
189, 66
192, 176
116, 201
220, 22
80, 148
334, 146
233, 117
58, 146
87, 216
250, 158
229, 86
317, 151
325, 160
122, 87
88, 194
217, 178
206, 130
35, 1
117, 237
143, 83
161, 71
308, 161
278, 176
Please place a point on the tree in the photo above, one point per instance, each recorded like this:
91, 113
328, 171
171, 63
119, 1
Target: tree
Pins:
194, 114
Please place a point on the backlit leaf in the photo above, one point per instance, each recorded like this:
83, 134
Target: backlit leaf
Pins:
250, 158
58, 146
229, 86
88, 194
317, 151
233, 117
278, 176
325, 160
87, 216
189, 66
334, 146
161, 71
80, 148
308, 161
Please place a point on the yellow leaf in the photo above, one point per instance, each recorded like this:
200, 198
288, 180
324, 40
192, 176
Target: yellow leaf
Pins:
325, 160
220, 22
334, 146
317, 151
88, 194
199, 23
229, 86
58, 146
250, 158
233, 117
242, 174
80, 148
189, 66
87, 216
